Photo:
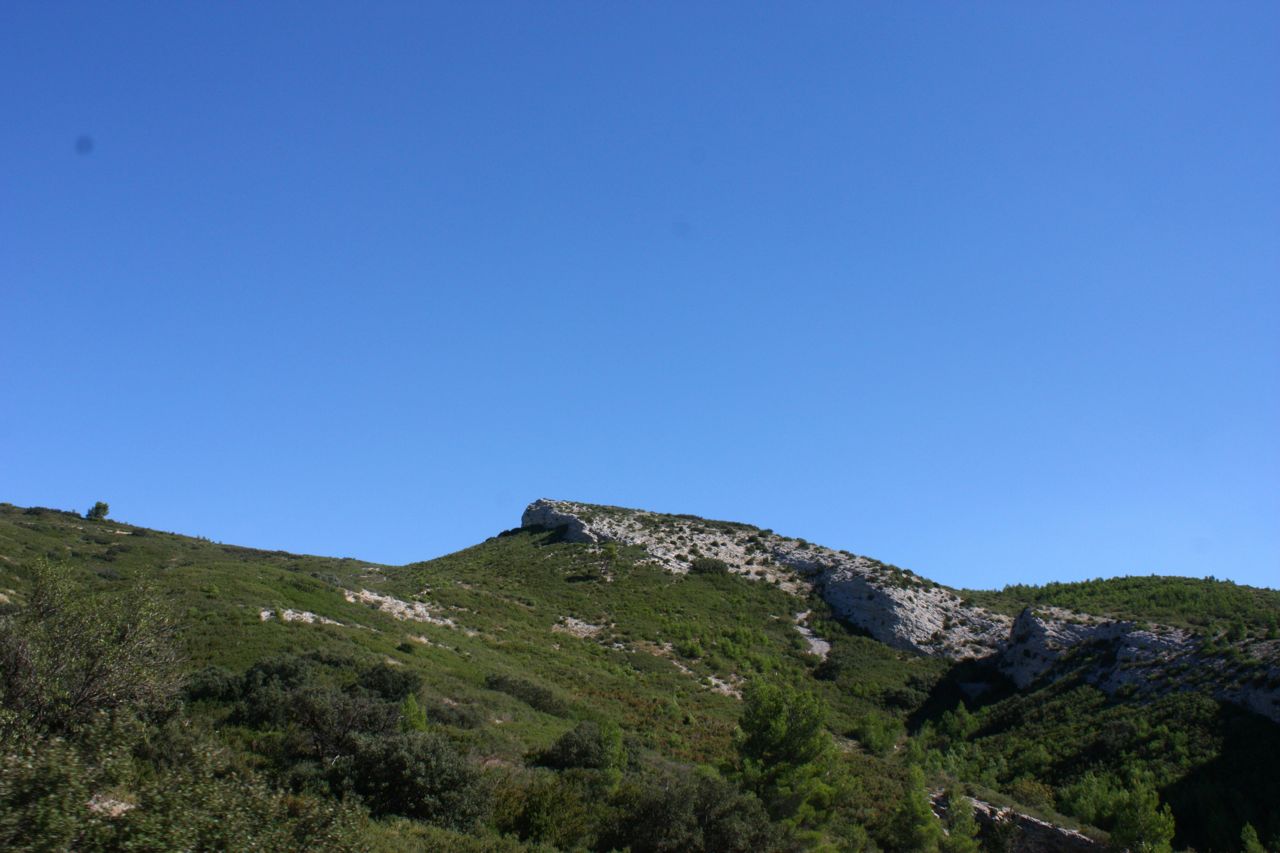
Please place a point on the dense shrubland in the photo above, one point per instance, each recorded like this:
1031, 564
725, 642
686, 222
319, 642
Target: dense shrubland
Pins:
1209, 606
322, 750
97, 753
145, 704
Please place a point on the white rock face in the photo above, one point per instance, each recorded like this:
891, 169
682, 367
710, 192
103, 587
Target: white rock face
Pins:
109, 807
576, 627
1041, 637
290, 615
307, 616
894, 606
915, 616
1154, 659
415, 611
552, 514
1036, 834
817, 646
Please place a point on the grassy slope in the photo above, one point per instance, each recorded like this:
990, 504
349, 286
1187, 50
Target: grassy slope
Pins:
507, 593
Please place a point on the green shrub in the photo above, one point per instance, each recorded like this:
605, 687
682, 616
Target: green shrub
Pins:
877, 732
458, 716
589, 745
329, 719
534, 695
56, 795
212, 682
548, 808
70, 654
696, 812
1142, 824
708, 566
390, 682
416, 774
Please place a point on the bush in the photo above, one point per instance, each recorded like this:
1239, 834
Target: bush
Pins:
331, 719
785, 753
1032, 792
59, 795
547, 808
389, 682
70, 655
1142, 824
416, 774
708, 566
534, 695
587, 745
98, 511
695, 812
265, 690
458, 716
877, 732
213, 682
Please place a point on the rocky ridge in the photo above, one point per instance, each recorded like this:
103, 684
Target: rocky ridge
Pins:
1144, 659
906, 611
893, 605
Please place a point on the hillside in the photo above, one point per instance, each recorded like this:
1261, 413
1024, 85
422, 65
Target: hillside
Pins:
1207, 606
570, 671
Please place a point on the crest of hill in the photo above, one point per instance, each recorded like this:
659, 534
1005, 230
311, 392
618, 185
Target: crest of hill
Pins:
893, 605
901, 609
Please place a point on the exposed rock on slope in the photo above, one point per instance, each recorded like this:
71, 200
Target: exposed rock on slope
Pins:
1146, 659
1041, 638
893, 605
1032, 835
903, 610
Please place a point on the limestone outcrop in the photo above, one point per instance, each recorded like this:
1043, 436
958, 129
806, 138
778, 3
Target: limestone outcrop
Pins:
1030, 834
1150, 659
906, 611
893, 605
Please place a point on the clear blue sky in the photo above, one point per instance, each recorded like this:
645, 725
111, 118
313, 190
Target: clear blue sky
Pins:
986, 290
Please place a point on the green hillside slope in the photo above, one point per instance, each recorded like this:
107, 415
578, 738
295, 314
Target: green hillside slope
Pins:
1206, 605
532, 693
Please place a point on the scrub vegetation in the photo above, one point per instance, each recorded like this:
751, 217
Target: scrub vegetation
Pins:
167, 692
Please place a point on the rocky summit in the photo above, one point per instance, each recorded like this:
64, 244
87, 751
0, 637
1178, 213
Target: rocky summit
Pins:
892, 605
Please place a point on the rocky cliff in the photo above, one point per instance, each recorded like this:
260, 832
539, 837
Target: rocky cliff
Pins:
1144, 659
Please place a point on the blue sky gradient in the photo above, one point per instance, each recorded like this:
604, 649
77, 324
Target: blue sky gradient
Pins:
985, 290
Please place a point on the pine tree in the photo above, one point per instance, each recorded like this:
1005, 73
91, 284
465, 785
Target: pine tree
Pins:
785, 754
1249, 842
962, 829
1142, 824
914, 826
413, 718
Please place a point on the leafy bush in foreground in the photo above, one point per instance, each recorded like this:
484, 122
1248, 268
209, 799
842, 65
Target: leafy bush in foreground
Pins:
70, 655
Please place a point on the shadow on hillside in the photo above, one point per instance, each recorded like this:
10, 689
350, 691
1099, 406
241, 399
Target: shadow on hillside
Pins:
543, 535
977, 683
1212, 802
